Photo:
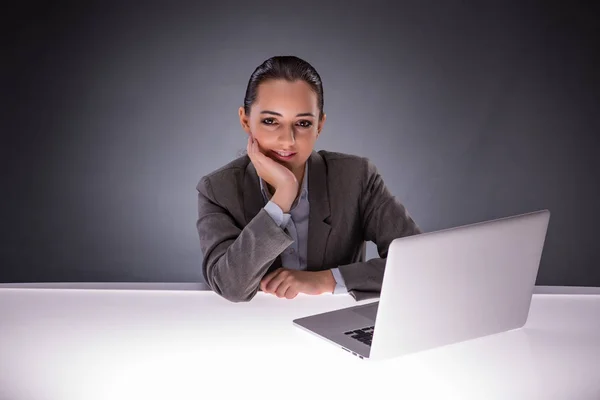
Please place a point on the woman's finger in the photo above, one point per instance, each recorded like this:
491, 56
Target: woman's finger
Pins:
251, 150
291, 292
277, 280
258, 158
255, 148
267, 278
282, 289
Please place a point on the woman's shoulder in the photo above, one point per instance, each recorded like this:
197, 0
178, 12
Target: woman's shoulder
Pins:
228, 172
329, 155
350, 163
232, 167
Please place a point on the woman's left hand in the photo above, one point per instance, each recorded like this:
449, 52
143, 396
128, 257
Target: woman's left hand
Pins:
288, 283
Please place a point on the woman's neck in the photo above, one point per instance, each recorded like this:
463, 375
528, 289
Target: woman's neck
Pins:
299, 174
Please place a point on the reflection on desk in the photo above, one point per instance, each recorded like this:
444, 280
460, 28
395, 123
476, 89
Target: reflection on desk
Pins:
188, 344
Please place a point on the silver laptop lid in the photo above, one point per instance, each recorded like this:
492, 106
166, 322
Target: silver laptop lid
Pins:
457, 284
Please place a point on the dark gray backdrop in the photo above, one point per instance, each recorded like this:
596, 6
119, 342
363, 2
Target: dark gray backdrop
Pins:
111, 115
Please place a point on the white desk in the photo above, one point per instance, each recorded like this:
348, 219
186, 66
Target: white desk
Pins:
163, 343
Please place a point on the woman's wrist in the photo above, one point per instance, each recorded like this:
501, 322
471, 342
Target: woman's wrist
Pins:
328, 281
285, 196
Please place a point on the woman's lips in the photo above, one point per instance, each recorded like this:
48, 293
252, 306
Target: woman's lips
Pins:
283, 158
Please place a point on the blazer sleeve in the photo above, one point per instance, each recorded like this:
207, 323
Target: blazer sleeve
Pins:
384, 219
235, 259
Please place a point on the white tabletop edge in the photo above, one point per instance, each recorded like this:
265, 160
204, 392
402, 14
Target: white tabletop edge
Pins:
175, 286
191, 286
566, 290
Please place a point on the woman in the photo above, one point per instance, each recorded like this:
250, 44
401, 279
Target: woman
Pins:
286, 219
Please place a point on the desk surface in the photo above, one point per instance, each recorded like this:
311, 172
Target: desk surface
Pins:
115, 344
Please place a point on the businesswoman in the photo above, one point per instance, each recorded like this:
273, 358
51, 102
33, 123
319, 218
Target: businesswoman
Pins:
284, 218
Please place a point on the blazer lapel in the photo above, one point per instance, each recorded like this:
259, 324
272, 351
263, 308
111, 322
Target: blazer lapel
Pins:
253, 201
318, 220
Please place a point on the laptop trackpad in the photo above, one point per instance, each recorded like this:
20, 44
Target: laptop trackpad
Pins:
369, 311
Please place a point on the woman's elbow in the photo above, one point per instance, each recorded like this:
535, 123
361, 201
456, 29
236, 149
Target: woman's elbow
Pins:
235, 293
239, 296
228, 286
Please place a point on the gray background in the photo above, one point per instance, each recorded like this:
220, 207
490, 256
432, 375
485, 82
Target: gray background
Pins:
111, 115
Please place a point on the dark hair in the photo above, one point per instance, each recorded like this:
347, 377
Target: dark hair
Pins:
290, 68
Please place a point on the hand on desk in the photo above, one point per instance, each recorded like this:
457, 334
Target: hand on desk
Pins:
288, 283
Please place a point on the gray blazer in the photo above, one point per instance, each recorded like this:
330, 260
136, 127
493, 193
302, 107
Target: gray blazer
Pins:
349, 205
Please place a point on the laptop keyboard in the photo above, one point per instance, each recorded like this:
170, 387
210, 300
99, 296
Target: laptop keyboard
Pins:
364, 335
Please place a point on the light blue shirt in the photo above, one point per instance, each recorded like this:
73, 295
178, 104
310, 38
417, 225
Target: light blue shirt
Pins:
295, 223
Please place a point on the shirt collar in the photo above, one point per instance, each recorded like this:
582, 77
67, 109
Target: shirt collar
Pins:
303, 192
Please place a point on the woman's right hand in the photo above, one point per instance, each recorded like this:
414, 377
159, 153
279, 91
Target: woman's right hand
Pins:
278, 176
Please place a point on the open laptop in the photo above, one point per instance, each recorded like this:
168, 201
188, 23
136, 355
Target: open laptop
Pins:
444, 287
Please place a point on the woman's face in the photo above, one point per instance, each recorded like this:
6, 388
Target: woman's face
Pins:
284, 118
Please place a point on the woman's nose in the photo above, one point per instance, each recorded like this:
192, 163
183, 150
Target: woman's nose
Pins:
288, 136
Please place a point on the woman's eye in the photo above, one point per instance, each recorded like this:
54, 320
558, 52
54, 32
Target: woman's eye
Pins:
308, 124
271, 121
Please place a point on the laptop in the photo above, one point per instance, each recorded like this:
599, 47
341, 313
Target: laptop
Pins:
443, 287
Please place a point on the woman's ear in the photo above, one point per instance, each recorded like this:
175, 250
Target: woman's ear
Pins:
320, 125
244, 122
